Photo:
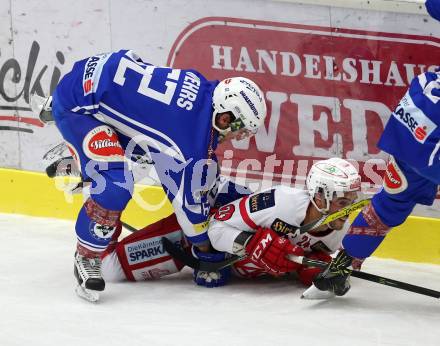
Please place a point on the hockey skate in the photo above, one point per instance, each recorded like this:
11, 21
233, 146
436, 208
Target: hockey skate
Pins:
313, 293
88, 274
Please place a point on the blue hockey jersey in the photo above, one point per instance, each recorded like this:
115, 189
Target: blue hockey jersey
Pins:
163, 112
412, 134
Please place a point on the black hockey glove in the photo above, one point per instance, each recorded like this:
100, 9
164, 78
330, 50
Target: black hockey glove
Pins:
335, 278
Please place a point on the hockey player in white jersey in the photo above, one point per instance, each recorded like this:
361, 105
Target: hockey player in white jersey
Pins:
264, 225
245, 226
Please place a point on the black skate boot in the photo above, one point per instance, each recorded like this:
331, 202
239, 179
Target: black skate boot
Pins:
88, 274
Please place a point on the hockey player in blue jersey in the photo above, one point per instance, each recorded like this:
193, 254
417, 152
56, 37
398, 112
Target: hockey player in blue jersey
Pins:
113, 106
412, 138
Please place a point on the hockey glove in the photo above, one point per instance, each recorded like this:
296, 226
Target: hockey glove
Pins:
335, 278
211, 279
268, 250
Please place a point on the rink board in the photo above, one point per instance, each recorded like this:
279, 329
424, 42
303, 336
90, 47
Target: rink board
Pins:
35, 194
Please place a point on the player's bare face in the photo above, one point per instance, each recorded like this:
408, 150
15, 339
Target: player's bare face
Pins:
337, 204
223, 120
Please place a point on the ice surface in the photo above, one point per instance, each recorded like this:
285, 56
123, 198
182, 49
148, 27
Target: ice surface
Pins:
38, 305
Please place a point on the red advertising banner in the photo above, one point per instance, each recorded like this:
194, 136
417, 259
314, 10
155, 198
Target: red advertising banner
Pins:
329, 91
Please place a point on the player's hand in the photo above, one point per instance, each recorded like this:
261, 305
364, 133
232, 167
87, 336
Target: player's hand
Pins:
335, 278
211, 279
268, 250
307, 274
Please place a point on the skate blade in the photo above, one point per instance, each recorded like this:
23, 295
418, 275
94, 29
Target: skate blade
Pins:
89, 295
313, 293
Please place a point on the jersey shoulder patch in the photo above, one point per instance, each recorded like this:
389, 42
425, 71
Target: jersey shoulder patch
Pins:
262, 201
92, 72
282, 227
414, 118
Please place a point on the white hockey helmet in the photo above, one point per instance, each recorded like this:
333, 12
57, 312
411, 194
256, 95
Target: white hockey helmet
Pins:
332, 176
244, 99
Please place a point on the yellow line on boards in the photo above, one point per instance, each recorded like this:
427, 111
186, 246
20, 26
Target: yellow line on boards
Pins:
35, 194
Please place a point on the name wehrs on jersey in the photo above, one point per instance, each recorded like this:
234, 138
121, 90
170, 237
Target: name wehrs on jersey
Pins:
189, 91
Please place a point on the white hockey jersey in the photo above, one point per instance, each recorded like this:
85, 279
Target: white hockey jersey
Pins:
282, 209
